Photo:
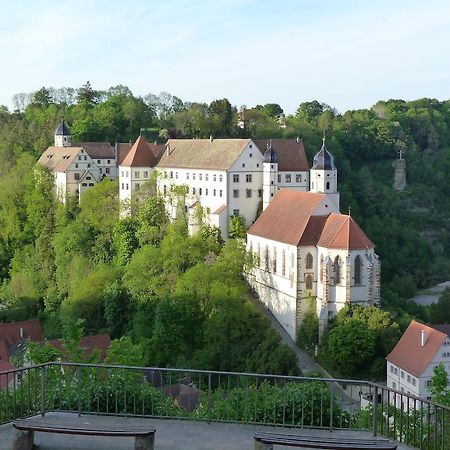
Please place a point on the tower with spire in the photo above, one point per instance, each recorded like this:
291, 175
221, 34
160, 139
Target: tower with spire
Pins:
323, 175
270, 175
63, 138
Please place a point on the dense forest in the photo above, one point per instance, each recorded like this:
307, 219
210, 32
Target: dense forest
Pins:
183, 298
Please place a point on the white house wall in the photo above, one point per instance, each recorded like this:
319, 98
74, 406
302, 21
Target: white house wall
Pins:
277, 291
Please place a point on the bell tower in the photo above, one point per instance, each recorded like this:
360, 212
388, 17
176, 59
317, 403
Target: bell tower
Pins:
323, 175
63, 138
270, 175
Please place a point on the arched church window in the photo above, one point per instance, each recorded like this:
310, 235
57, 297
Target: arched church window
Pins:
309, 261
337, 270
266, 258
283, 263
274, 260
357, 269
258, 252
309, 282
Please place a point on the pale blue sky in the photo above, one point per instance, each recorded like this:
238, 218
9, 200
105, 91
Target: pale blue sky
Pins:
347, 53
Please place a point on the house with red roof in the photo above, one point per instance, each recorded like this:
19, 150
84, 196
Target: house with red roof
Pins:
411, 363
136, 168
308, 254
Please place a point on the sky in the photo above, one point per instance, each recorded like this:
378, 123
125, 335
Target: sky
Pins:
346, 53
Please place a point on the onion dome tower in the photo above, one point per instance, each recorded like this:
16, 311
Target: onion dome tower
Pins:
323, 174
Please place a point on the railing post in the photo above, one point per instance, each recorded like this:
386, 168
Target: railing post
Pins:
375, 411
209, 397
42, 391
79, 390
331, 405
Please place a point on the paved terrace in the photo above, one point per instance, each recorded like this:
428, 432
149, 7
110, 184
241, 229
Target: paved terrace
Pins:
170, 434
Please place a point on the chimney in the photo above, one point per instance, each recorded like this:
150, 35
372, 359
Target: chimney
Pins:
423, 338
21, 332
167, 150
210, 138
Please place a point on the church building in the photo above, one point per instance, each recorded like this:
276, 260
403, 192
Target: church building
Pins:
308, 254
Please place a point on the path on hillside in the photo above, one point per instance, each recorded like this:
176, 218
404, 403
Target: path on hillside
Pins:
307, 364
429, 296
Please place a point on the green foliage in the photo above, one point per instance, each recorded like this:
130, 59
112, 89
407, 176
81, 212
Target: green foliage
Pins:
123, 352
440, 312
308, 333
351, 345
439, 390
237, 227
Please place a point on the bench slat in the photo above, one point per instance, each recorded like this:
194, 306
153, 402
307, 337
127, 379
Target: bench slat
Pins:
315, 442
83, 429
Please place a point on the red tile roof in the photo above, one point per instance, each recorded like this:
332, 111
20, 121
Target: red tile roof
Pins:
122, 150
291, 218
142, 154
287, 216
291, 153
10, 333
343, 232
88, 343
410, 355
5, 379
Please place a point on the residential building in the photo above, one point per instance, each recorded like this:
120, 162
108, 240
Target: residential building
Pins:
309, 255
411, 363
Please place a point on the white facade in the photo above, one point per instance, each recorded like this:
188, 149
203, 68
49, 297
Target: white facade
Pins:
107, 166
131, 179
221, 193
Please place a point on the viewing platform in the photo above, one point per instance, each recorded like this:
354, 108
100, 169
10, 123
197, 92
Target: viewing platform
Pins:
195, 409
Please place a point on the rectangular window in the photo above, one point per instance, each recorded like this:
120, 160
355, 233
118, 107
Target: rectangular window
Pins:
257, 165
127, 187
122, 174
193, 176
220, 178
137, 174
235, 212
428, 383
248, 178
402, 374
214, 192
123, 186
287, 178
248, 193
171, 174
408, 378
394, 385
298, 178
199, 191
85, 158
107, 170
206, 177
243, 164
214, 177
145, 174
126, 173
392, 369
89, 165
413, 381
193, 190
259, 193
251, 154
109, 161
76, 176
279, 178
98, 161
187, 176
220, 193
176, 175
164, 190
206, 191
235, 193
235, 178
137, 186
200, 176
76, 166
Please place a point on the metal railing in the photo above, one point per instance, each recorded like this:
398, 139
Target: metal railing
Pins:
302, 402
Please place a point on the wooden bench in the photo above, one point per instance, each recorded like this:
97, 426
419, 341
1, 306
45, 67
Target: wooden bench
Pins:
266, 441
25, 428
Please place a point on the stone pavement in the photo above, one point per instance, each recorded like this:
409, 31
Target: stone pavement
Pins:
170, 435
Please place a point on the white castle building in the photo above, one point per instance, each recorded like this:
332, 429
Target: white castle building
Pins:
77, 166
224, 176
308, 254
